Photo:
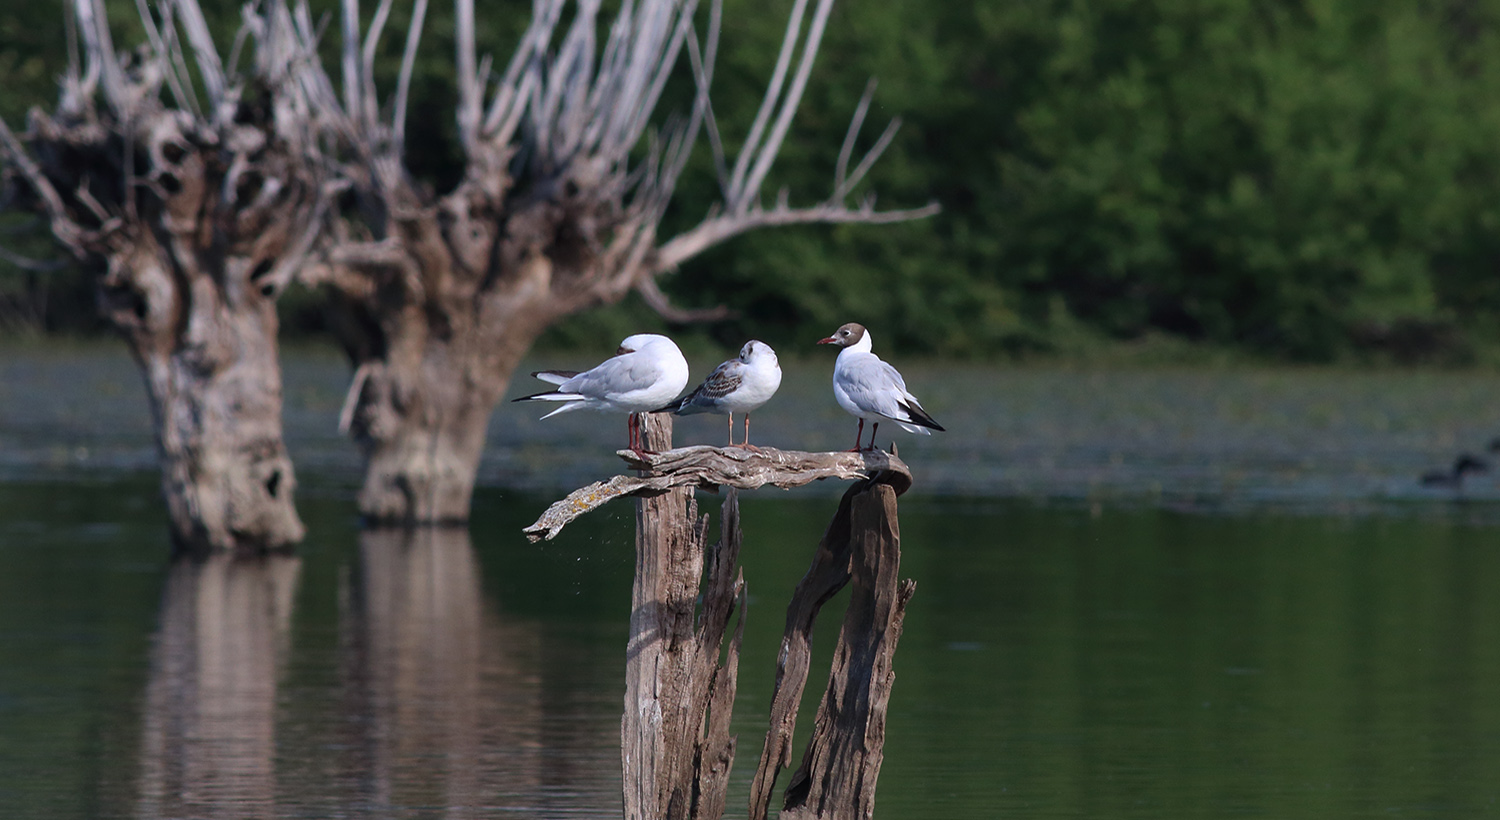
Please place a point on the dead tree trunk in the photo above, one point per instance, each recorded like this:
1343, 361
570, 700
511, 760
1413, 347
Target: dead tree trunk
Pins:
198, 214
214, 383
675, 746
557, 212
837, 776
435, 316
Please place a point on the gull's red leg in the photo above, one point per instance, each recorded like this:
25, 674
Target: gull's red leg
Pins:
858, 436
638, 443
731, 429
873, 428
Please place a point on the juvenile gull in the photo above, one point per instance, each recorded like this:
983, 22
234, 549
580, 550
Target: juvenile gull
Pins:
737, 386
868, 388
646, 371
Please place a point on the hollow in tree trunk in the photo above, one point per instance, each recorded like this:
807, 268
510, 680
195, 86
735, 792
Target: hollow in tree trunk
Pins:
214, 384
198, 212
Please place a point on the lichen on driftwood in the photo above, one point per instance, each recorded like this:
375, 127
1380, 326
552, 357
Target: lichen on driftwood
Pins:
711, 467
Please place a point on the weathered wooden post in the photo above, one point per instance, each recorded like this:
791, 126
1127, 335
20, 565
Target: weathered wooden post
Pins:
675, 747
838, 771
676, 750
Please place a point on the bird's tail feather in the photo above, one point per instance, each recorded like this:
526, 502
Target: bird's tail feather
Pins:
918, 416
554, 376
563, 409
551, 395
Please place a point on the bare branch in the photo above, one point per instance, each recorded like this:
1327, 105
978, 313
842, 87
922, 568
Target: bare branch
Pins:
206, 54
663, 69
509, 98
247, 20
469, 90
28, 264
73, 79
710, 467
349, 16
103, 65
714, 230
403, 80
291, 258
703, 70
788, 107
847, 186
163, 56
67, 231
351, 398
652, 293
177, 62
841, 168
17, 153
767, 105
367, 65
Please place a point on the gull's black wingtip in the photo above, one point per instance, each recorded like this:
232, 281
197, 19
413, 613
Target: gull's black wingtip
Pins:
920, 418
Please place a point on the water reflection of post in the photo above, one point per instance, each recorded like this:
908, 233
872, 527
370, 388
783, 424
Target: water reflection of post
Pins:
208, 746
451, 692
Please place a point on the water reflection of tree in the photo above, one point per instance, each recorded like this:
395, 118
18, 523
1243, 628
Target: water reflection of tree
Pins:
448, 694
208, 737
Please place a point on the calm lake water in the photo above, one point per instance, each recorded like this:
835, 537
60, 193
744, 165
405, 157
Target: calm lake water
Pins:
1147, 594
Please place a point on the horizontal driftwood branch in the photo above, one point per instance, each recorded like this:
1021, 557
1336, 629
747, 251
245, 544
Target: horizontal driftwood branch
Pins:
710, 467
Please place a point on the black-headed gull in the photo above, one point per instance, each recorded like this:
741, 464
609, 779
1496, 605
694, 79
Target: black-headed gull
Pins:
868, 388
645, 372
736, 386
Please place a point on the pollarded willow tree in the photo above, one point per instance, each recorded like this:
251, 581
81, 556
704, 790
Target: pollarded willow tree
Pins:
567, 177
194, 186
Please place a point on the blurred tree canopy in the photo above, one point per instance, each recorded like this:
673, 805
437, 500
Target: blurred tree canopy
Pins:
1300, 179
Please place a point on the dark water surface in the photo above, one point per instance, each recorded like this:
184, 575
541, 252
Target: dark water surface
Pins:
1172, 594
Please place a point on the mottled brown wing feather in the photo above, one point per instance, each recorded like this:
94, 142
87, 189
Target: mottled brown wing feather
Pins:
725, 379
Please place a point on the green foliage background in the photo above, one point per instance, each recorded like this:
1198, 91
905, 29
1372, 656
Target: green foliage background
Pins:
1307, 180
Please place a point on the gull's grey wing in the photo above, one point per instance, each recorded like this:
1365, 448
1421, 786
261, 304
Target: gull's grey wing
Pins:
876, 387
622, 374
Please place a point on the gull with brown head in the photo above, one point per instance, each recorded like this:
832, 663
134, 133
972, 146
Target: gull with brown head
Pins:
868, 388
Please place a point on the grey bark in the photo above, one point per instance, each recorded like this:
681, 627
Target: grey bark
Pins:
195, 212
675, 746
711, 467
837, 777
673, 680
839, 769
434, 315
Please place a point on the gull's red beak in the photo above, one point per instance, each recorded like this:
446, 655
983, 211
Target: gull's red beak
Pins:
828, 341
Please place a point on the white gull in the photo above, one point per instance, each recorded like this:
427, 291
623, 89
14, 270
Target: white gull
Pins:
737, 386
868, 388
645, 372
